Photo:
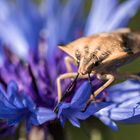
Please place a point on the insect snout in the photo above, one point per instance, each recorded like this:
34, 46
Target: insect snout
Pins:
86, 66
82, 71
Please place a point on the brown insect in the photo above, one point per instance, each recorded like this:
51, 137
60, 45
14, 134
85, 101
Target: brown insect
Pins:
101, 54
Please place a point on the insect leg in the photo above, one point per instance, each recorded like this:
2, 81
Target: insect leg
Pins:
125, 76
68, 62
134, 76
110, 78
90, 81
65, 76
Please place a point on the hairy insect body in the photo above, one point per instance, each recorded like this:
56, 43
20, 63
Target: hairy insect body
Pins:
104, 52
101, 54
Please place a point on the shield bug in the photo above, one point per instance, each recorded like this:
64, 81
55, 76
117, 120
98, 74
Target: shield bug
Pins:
101, 54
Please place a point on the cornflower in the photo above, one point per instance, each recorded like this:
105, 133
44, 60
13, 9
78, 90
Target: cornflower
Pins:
31, 60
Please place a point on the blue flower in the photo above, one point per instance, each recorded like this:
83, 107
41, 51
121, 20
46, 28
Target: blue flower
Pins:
120, 105
35, 61
123, 104
16, 107
72, 111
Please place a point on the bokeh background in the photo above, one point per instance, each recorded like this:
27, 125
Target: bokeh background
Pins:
93, 129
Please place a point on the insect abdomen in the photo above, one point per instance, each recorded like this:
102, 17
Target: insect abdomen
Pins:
131, 42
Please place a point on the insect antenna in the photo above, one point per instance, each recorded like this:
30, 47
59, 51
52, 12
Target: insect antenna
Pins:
67, 92
71, 86
89, 79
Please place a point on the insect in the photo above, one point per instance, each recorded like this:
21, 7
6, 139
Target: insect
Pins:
101, 54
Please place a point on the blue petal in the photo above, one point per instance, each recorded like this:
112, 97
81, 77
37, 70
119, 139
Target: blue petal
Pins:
28, 102
7, 113
74, 121
100, 13
62, 120
125, 110
108, 15
84, 115
92, 109
3, 99
44, 115
122, 15
107, 121
24, 32
120, 112
16, 39
12, 90
13, 95
82, 95
15, 120
63, 106
29, 123
132, 120
70, 16
68, 112
52, 26
72, 110
130, 102
29, 21
124, 91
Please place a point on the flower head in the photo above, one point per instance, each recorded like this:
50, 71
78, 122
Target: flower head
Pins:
16, 106
31, 58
